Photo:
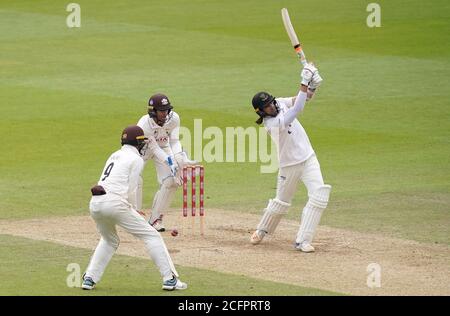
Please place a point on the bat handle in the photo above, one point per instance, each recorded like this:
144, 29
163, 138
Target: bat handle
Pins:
301, 55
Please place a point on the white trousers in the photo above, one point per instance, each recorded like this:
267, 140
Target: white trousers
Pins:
109, 213
307, 172
167, 189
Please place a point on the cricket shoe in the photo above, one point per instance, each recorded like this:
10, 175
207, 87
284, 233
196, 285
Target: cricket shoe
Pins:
158, 225
88, 283
257, 236
174, 284
304, 247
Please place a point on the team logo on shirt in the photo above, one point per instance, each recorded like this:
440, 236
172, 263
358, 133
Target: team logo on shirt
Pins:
162, 139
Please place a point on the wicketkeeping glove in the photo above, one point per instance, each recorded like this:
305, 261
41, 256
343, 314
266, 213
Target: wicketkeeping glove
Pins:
174, 170
182, 160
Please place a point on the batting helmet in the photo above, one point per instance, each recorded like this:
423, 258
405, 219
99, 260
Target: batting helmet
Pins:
259, 101
159, 102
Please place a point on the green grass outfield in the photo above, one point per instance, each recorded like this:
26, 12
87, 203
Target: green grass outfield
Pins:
379, 124
41, 268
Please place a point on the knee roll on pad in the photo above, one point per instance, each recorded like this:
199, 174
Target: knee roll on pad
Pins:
273, 213
320, 197
277, 206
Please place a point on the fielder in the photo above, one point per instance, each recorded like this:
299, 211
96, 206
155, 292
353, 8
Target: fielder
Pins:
297, 160
114, 203
163, 125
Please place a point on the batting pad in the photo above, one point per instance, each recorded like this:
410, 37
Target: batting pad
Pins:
163, 198
312, 213
273, 213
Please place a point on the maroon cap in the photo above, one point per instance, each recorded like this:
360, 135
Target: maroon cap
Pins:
132, 135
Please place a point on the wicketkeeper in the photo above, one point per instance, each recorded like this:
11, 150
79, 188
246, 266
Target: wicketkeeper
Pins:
297, 160
163, 124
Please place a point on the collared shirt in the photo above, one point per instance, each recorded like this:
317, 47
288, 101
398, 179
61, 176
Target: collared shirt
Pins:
120, 175
166, 136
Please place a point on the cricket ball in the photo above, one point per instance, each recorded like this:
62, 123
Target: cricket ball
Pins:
174, 233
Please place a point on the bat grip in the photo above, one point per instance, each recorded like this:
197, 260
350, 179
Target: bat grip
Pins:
301, 54
302, 59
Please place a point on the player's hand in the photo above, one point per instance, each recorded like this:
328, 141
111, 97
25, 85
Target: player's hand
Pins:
172, 166
178, 179
182, 160
310, 76
307, 73
174, 169
315, 82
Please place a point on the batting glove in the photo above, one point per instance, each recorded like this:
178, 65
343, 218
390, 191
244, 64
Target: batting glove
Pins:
316, 81
308, 73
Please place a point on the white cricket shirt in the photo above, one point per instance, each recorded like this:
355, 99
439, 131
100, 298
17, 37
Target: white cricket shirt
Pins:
166, 136
120, 175
292, 142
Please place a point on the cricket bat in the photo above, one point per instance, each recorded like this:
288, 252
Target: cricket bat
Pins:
293, 36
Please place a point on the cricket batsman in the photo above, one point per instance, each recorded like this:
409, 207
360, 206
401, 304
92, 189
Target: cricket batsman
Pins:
163, 124
297, 161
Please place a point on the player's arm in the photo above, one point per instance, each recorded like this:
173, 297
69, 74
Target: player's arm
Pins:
153, 151
310, 80
311, 87
309, 95
289, 101
299, 104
